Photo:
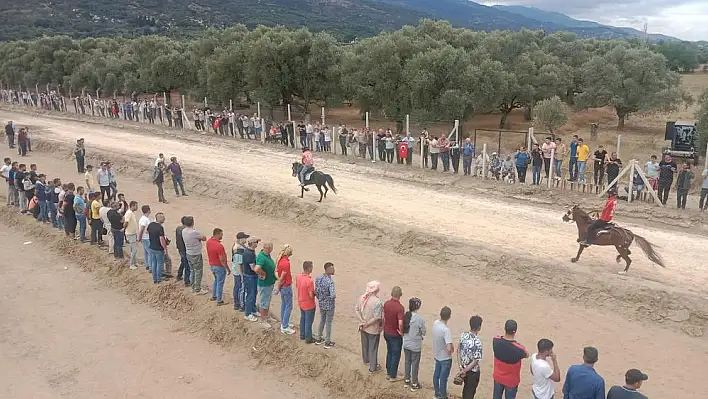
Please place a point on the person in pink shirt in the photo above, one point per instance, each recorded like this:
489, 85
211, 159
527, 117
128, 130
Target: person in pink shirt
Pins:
547, 147
308, 165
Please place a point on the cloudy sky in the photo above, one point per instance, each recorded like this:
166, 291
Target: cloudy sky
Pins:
685, 19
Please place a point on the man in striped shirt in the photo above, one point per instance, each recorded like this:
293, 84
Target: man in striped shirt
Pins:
326, 295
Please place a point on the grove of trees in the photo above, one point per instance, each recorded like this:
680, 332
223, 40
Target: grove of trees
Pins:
431, 70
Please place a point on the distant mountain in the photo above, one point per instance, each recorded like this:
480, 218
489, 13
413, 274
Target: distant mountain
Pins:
581, 27
347, 19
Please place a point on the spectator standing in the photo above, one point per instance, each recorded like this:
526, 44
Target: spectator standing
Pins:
410, 142
326, 296
653, 171
444, 146
306, 301
143, 236
508, 355
158, 246
103, 179
158, 179
413, 333
683, 185
467, 156
470, 353
583, 152
393, 313
193, 249
175, 170
250, 279
237, 268
369, 312
80, 155
536, 163
547, 147
117, 225
667, 168
42, 195
69, 215
390, 146
633, 380
582, 381
183, 269
434, 153
265, 269
103, 214
6, 168
218, 265
131, 233
88, 178
544, 374
613, 166
573, 159
113, 180
442, 352
522, 160
284, 287
80, 211
599, 158
561, 152
704, 191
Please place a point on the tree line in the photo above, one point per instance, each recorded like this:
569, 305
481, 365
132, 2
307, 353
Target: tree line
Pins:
430, 71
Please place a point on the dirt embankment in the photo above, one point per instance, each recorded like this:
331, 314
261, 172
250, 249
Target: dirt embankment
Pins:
218, 326
641, 213
654, 303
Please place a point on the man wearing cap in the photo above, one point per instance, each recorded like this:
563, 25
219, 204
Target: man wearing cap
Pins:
237, 269
582, 381
250, 279
633, 381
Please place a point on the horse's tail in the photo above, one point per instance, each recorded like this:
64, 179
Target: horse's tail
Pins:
330, 183
649, 251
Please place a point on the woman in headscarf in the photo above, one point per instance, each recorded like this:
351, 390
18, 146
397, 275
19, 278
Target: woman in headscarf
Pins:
369, 311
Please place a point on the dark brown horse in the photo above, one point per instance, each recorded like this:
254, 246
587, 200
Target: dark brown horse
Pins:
618, 237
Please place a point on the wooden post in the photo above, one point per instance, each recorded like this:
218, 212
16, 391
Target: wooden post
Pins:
616, 180
530, 140
264, 131
619, 144
182, 115
231, 105
205, 103
323, 116
630, 185
422, 154
259, 111
650, 189
484, 162
367, 119
705, 163
551, 168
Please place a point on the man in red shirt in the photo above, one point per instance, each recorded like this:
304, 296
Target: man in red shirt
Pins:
605, 217
308, 164
306, 301
508, 355
393, 332
218, 265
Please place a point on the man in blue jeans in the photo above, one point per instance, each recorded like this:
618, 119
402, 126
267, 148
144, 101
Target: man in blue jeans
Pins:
442, 351
218, 265
157, 247
250, 279
236, 262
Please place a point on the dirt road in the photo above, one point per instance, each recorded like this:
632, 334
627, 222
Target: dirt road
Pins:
63, 334
500, 280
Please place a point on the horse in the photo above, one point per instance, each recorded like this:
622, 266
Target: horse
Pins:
619, 237
317, 178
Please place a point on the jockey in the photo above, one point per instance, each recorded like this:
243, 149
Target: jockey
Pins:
604, 219
308, 165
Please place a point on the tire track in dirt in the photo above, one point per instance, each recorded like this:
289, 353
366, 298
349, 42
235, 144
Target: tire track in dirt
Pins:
651, 302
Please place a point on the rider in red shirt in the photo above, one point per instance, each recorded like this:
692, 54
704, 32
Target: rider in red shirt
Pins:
308, 164
605, 217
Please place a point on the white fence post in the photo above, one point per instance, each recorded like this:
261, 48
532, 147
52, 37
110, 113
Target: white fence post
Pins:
206, 104
259, 111
630, 186
231, 105
264, 131
323, 116
619, 143
551, 167
530, 140
484, 161
705, 164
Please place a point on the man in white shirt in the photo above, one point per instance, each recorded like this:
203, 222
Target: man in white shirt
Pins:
544, 374
103, 214
6, 175
653, 171
143, 236
546, 148
131, 232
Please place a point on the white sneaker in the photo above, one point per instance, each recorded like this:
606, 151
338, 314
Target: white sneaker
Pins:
272, 319
265, 325
132, 267
251, 317
288, 331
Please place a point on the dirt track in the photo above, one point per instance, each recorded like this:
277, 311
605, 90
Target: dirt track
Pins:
391, 230
65, 335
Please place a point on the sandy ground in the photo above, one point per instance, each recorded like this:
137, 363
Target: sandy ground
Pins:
531, 283
62, 334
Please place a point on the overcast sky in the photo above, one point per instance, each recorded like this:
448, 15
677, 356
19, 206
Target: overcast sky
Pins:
685, 19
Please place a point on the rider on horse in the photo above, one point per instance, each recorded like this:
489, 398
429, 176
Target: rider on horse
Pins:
604, 219
308, 165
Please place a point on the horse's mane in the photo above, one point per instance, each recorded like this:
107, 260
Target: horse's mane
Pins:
581, 212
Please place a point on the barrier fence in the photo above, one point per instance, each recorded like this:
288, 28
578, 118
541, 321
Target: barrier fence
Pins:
364, 141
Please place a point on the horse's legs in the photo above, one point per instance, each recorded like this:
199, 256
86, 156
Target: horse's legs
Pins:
326, 190
580, 251
319, 188
627, 260
302, 192
619, 257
